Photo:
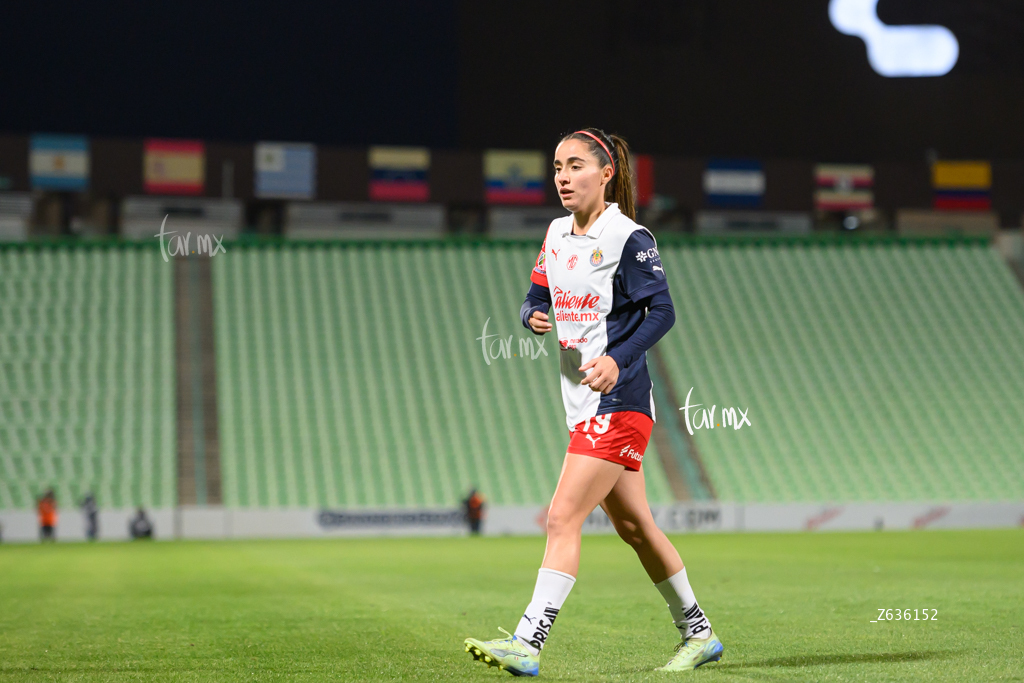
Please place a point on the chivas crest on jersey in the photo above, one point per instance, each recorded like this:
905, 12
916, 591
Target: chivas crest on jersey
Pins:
596, 258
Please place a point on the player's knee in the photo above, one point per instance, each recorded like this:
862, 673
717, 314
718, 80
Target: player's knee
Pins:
631, 532
559, 522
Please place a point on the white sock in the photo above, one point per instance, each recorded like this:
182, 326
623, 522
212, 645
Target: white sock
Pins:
548, 596
686, 613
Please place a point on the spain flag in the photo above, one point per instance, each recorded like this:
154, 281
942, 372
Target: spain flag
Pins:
174, 166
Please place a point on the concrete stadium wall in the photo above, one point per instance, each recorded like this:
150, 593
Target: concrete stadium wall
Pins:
226, 523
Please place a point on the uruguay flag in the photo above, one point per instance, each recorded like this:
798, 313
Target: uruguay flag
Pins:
285, 170
734, 183
59, 162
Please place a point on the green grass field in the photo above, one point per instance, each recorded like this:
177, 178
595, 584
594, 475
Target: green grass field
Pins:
787, 606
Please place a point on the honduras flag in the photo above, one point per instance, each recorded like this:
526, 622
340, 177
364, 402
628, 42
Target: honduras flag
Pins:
734, 183
285, 170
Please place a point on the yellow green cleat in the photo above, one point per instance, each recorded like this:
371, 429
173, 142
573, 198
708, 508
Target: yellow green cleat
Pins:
508, 654
694, 652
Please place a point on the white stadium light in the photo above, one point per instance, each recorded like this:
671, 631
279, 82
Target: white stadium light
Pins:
896, 50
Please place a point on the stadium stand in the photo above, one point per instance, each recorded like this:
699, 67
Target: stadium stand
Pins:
523, 222
912, 334
872, 372
939, 223
353, 376
142, 217
363, 221
86, 376
361, 375
15, 215
726, 222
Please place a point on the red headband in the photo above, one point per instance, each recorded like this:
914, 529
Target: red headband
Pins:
598, 141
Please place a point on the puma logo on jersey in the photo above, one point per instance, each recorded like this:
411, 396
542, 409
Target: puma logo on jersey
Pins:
554, 252
592, 440
658, 268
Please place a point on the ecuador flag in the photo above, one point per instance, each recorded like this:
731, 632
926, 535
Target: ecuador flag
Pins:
514, 177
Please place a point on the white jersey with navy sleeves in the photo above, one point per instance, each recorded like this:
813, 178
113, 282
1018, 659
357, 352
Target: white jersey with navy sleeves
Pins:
598, 284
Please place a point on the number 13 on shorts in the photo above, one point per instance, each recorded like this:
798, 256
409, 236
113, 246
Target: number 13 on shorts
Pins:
620, 437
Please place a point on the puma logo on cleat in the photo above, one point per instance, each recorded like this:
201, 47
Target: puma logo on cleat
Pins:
593, 441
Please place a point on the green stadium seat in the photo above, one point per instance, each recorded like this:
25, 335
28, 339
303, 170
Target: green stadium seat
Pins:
352, 376
872, 373
86, 376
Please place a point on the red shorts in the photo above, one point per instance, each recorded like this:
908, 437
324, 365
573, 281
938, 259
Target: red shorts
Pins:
619, 437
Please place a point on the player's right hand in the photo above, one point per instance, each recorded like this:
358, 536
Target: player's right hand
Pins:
539, 322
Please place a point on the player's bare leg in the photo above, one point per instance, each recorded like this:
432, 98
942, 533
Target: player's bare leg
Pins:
583, 484
626, 506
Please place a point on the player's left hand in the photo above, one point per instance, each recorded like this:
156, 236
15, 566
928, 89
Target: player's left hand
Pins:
604, 376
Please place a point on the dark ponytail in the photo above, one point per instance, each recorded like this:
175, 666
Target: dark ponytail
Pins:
624, 190
612, 150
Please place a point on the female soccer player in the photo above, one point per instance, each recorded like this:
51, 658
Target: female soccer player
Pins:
600, 272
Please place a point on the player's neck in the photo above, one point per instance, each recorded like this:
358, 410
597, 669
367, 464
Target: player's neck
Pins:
584, 219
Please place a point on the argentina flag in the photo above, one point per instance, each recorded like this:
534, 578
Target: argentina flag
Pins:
59, 162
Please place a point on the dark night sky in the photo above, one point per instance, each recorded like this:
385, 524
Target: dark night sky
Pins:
694, 77
327, 72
